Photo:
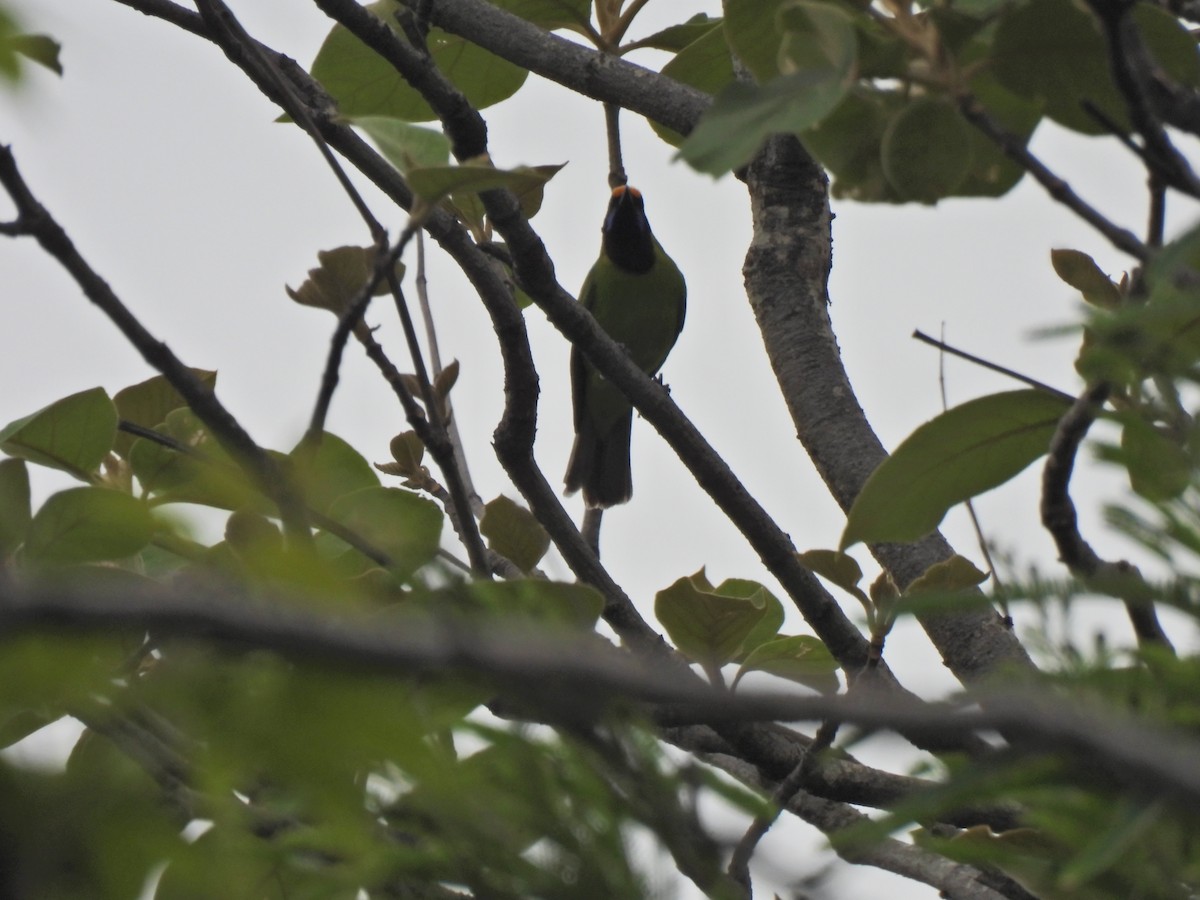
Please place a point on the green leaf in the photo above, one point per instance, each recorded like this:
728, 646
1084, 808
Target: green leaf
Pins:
1053, 51
926, 151
1081, 272
817, 56
15, 509
550, 14
706, 624
1159, 468
963, 452
769, 625
550, 602
148, 403
343, 273
744, 115
40, 48
365, 84
10, 62
514, 533
434, 183
704, 64
676, 37
848, 141
946, 577
751, 28
73, 434
334, 470
835, 567
405, 146
800, 658
406, 527
210, 478
85, 524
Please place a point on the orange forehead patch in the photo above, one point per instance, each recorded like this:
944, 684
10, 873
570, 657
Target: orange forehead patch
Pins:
633, 192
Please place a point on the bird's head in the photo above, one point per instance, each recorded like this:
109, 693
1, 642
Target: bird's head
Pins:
627, 238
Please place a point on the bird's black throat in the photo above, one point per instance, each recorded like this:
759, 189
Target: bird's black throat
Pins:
627, 239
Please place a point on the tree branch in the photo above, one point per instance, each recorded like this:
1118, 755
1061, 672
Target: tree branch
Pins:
572, 676
1119, 579
599, 76
786, 272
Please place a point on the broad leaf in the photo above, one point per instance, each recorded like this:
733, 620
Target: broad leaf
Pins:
514, 533
963, 452
148, 403
405, 146
704, 64
1159, 468
332, 471
406, 527
710, 625
948, 576
549, 602
818, 52
342, 274
365, 84
1053, 51
15, 510
800, 658
434, 183
1081, 272
40, 48
87, 524
550, 14
926, 151
676, 37
73, 434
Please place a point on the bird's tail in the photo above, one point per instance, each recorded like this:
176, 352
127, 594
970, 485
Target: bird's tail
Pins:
600, 464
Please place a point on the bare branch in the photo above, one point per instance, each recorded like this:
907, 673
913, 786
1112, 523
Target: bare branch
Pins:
991, 366
1119, 579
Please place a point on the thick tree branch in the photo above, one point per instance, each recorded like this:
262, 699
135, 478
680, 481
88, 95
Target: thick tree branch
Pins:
787, 271
600, 76
573, 676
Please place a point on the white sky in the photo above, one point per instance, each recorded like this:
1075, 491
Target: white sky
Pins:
163, 163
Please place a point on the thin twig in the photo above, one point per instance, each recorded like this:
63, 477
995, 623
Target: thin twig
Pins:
980, 540
739, 863
435, 362
438, 440
995, 367
616, 165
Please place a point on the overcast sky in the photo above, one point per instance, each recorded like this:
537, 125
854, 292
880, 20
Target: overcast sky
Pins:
164, 165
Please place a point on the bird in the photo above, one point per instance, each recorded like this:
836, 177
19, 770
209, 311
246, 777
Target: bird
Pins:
638, 296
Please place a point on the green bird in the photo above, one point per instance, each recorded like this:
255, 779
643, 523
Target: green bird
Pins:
637, 294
